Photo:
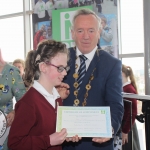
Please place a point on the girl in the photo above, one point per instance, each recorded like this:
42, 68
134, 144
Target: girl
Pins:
35, 120
129, 86
124, 140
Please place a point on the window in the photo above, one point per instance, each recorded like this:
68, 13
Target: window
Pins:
138, 70
132, 39
15, 28
132, 33
10, 6
12, 38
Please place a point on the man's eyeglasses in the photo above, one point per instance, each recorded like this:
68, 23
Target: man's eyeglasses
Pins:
59, 68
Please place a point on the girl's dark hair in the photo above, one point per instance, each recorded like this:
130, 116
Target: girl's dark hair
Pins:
46, 50
127, 70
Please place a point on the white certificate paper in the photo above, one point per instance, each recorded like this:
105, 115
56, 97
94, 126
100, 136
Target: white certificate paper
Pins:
84, 121
3, 128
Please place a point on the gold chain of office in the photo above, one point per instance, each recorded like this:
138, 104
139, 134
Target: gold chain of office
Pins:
88, 87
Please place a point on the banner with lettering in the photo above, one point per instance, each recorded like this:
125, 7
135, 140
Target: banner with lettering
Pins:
52, 19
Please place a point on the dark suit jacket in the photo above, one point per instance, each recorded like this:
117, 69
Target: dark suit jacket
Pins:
105, 90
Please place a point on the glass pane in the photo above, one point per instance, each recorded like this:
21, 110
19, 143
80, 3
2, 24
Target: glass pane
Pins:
10, 6
132, 34
137, 65
12, 38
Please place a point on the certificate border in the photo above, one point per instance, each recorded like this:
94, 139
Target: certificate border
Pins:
5, 121
102, 109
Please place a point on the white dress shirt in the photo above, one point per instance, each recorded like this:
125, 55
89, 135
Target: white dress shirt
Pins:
89, 57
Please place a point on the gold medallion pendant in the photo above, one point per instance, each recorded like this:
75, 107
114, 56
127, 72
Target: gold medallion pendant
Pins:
76, 84
75, 75
76, 102
88, 87
91, 77
84, 103
76, 93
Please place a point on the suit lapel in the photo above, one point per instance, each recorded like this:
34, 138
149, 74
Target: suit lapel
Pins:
72, 62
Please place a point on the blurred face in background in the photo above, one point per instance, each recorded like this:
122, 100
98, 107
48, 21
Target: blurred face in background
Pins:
103, 23
20, 67
49, 31
44, 35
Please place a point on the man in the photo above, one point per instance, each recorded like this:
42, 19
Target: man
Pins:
103, 75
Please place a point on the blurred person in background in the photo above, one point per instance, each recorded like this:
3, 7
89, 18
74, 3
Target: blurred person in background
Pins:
49, 33
39, 9
43, 36
129, 86
106, 34
50, 5
37, 36
20, 64
11, 85
125, 140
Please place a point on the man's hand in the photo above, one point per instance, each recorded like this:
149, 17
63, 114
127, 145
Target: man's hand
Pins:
10, 117
63, 90
124, 138
100, 140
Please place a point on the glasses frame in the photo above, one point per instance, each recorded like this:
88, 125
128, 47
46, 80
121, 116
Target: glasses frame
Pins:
59, 68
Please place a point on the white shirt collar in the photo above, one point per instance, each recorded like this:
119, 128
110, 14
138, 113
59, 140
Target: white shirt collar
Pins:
89, 55
43, 91
126, 83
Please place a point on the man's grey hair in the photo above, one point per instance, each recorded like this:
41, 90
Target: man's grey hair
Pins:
85, 12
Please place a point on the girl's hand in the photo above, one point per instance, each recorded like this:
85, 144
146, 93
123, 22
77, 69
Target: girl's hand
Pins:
10, 117
124, 138
58, 138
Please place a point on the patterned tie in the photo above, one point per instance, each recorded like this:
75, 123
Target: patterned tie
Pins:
82, 70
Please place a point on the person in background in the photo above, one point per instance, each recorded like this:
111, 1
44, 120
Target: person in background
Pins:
50, 5
37, 36
49, 33
101, 84
81, 2
39, 9
75, 3
43, 37
106, 34
98, 5
129, 86
35, 120
19, 63
89, 2
11, 85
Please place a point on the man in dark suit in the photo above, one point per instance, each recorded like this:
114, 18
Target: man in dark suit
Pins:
102, 83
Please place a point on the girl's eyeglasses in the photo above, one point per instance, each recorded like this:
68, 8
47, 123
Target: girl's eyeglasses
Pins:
59, 68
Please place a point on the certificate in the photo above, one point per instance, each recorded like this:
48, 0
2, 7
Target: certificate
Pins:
84, 121
3, 128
